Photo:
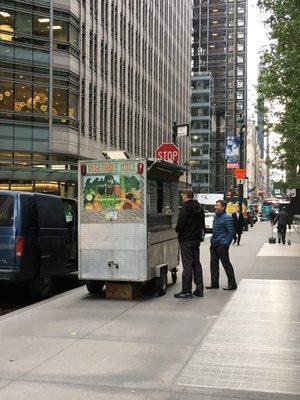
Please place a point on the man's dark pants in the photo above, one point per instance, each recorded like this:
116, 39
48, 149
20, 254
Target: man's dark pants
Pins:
218, 253
237, 237
282, 232
190, 256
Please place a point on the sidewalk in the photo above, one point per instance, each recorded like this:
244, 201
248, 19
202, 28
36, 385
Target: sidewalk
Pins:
76, 346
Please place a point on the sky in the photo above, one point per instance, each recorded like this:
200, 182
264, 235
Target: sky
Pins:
257, 39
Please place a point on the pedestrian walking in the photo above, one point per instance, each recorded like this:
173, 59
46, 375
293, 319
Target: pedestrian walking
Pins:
190, 229
272, 216
238, 222
223, 232
282, 219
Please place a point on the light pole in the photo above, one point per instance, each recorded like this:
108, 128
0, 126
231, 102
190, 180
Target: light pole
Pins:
187, 169
174, 135
241, 185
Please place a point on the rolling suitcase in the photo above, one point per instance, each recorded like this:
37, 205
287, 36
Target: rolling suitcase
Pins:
289, 241
272, 239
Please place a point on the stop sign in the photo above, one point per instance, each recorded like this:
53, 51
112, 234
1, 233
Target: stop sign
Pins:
167, 152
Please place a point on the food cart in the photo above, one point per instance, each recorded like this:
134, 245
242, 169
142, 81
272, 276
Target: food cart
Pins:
128, 210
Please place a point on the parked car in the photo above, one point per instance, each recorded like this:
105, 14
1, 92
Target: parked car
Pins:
38, 239
209, 218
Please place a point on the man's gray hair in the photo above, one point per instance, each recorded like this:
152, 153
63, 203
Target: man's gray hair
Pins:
223, 203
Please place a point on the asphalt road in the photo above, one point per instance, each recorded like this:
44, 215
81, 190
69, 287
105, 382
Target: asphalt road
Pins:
14, 297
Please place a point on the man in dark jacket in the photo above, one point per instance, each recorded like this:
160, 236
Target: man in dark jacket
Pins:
238, 222
190, 229
223, 231
282, 220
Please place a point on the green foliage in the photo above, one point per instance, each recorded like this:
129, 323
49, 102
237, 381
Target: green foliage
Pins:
279, 81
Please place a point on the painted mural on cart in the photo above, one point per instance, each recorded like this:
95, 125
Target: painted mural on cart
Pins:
112, 191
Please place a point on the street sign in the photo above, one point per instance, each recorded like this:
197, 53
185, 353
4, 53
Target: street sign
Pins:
182, 130
167, 152
232, 165
240, 173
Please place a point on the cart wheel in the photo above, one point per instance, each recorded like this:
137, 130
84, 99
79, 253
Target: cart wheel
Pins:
161, 283
174, 276
94, 287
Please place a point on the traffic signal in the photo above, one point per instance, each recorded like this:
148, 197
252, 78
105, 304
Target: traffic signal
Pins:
230, 195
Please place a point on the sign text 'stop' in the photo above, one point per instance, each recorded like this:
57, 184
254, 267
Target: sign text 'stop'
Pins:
167, 152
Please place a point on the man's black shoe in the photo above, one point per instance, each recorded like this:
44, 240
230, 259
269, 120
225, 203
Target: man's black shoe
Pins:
183, 295
212, 287
230, 287
198, 293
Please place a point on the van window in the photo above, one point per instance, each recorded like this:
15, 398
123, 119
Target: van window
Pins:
29, 212
68, 211
50, 211
6, 210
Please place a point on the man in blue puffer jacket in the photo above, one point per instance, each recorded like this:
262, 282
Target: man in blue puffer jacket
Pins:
223, 232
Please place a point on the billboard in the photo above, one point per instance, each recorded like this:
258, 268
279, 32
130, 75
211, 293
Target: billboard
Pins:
232, 152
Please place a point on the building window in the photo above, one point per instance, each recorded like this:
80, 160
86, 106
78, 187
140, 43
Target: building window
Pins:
73, 32
6, 24
23, 22
73, 106
240, 83
60, 31
41, 26
60, 102
6, 96
40, 99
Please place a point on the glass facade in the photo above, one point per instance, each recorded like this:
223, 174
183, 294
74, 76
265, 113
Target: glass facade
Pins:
78, 78
25, 95
219, 47
202, 157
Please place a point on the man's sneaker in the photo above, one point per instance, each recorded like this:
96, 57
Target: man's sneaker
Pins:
212, 287
198, 293
183, 295
233, 287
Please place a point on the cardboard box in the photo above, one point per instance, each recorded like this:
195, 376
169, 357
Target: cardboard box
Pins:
122, 291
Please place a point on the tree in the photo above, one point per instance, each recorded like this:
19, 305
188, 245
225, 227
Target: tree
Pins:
279, 82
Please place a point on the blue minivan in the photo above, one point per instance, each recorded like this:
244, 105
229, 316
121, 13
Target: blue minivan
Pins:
38, 239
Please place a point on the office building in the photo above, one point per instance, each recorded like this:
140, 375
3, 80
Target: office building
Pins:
219, 37
203, 137
81, 77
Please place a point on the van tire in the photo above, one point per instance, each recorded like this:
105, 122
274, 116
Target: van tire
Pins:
40, 287
94, 287
161, 283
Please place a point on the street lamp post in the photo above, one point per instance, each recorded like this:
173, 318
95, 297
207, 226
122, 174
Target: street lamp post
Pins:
174, 135
241, 185
187, 169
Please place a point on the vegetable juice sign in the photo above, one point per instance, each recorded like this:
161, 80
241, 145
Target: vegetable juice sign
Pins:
108, 167
112, 186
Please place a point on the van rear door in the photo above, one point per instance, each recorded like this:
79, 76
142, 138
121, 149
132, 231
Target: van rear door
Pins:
7, 232
52, 234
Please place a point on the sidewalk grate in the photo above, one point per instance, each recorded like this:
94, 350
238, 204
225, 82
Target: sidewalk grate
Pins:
255, 344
